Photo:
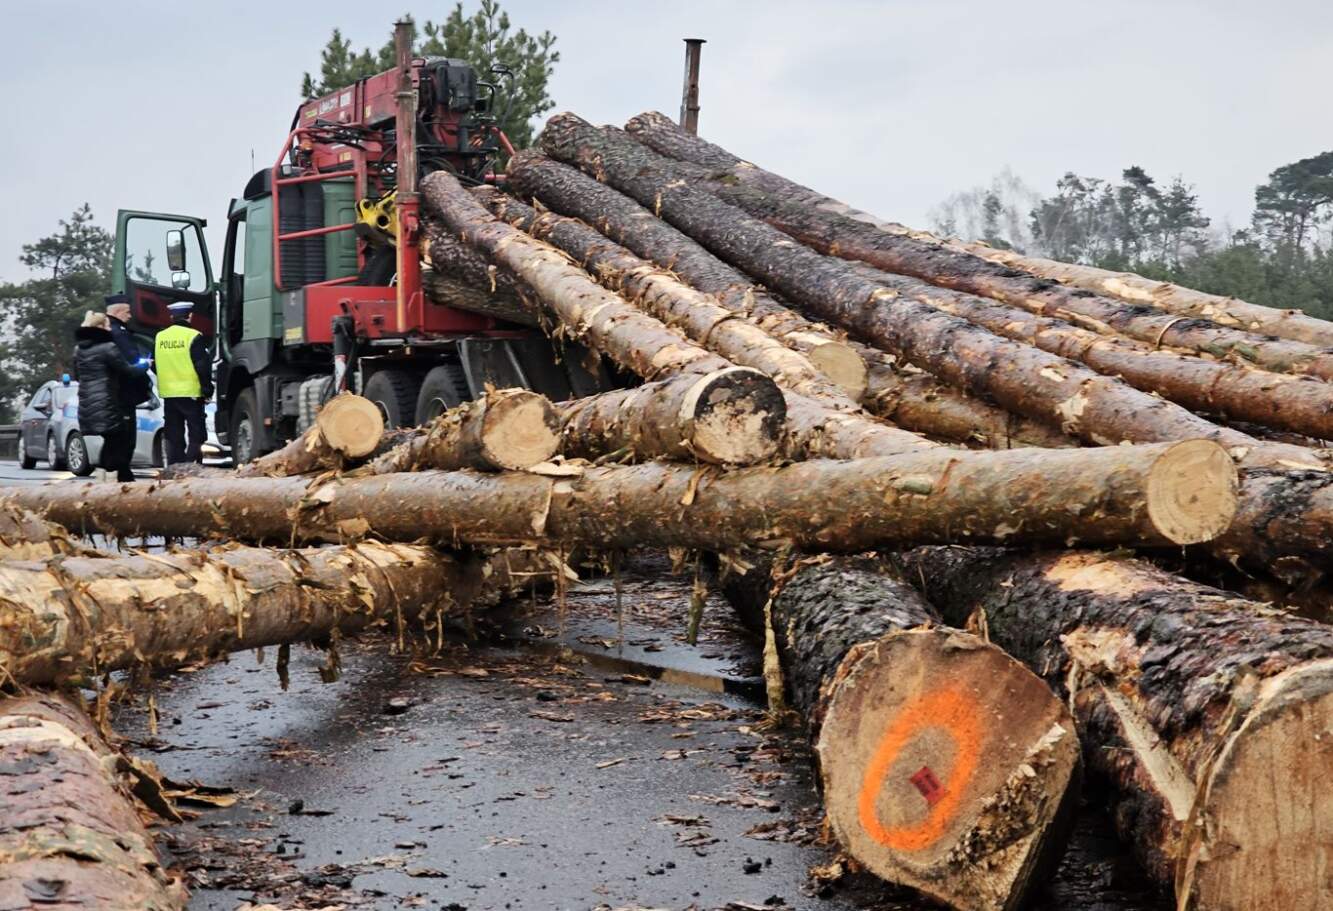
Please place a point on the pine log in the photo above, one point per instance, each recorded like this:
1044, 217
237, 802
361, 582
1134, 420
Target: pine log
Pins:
668, 299
73, 618
70, 836
24, 536
1141, 495
505, 429
510, 297
633, 339
788, 207
732, 416
454, 292
1299, 404
1208, 713
347, 427
623, 220
1097, 409
945, 765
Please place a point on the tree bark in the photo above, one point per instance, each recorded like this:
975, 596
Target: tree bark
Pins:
71, 838
24, 536
454, 292
945, 764
1208, 713
510, 297
729, 417
848, 363
638, 342
74, 618
788, 206
1144, 495
347, 427
505, 429
675, 303
1300, 404
1097, 409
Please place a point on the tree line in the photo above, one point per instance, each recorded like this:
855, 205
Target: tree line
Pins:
1283, 258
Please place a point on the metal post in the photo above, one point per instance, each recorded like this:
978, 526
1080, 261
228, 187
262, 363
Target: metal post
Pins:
405, 201
689, 96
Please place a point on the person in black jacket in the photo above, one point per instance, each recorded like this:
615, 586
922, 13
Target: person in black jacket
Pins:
103, 372
135, 390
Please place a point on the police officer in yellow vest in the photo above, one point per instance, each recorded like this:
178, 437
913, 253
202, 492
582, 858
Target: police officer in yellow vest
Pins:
184, 381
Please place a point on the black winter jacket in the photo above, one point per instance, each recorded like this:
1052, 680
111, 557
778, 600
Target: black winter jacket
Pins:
101, 369
133, 390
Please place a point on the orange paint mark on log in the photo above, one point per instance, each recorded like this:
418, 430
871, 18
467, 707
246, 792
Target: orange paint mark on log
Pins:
953, 711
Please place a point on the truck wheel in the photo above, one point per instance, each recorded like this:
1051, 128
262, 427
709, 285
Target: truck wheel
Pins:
244, 427
76, 456
395, 394
25, 460
445, 387
160, 450
55, 459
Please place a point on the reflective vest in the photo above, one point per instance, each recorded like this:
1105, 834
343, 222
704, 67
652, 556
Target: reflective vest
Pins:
176, 376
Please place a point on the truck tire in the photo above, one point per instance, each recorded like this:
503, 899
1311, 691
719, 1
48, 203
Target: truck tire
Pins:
394, 392
244, 432
76, 455
445, 387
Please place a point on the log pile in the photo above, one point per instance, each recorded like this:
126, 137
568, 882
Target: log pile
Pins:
902, 450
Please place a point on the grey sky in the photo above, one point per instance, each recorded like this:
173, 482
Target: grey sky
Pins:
892, 106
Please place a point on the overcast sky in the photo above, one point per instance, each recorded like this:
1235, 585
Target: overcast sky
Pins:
892, 106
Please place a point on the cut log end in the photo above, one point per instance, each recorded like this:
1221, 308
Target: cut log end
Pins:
521, 429
1192, 492
1266, 805
945, 764
736, 417
351, 425
841, 364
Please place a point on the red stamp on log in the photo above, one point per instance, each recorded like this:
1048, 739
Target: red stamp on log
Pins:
928, 785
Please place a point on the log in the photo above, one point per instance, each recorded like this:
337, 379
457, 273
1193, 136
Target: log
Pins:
789, 207
347, 427
72, 619
509, 298
728, 417
71, 838
1208, 713
945, 765
668, 299
505, 429
453, 292
24, 536
623, 220
636, 341
1098, 409
1299, 404
1143, 495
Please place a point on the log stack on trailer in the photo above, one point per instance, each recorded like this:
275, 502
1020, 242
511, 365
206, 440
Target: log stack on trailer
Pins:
939, 481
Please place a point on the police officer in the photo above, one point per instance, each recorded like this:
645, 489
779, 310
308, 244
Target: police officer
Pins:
184, 381
138, 389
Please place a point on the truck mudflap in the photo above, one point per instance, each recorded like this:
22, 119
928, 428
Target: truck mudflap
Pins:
532, 362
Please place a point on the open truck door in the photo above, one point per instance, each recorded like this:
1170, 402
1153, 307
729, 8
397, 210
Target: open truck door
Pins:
160, 259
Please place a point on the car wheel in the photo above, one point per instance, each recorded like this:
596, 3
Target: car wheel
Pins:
55, 459
395, 394
25, 460
76, 456
445, 387
244, 427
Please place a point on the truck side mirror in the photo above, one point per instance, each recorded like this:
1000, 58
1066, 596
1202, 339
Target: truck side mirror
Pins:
176, 253
180, 281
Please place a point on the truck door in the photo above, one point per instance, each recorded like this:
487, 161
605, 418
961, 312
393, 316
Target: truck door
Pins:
160, 259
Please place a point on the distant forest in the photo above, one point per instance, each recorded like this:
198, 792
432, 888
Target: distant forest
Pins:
1283, 258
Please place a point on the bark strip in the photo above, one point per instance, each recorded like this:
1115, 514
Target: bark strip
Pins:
945, 764
347, 427
70, 837
1208, 713
1140, 495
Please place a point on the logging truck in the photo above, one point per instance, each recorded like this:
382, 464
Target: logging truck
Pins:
320, 282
